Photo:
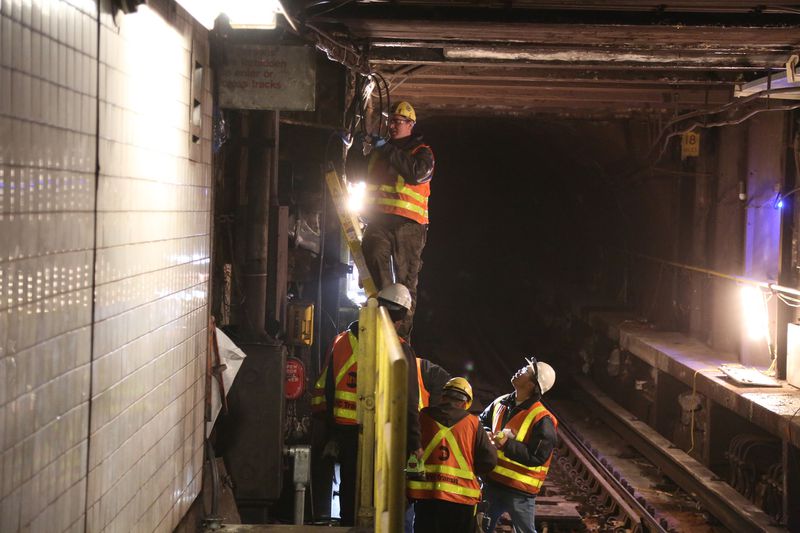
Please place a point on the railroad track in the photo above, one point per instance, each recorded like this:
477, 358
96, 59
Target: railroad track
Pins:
583, 473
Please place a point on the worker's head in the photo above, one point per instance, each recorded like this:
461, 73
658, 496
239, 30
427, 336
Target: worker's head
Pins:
396, 299
535, 378
457, 392
402, 121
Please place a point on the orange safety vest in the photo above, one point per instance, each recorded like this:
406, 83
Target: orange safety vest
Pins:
424, 395
389, 193
449, 462
344, 368
511, 473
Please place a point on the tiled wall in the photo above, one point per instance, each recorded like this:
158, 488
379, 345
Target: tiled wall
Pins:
101, 417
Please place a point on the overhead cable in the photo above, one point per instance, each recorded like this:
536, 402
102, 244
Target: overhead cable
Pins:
788, 292
665, 134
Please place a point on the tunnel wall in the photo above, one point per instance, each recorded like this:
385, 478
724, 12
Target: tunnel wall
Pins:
101, 399
690, 211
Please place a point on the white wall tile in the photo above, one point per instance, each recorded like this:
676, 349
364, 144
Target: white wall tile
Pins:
137, 453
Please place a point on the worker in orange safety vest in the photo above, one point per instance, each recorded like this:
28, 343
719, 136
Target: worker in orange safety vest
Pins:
397, 174
455, 451
335, 392
431, 378
524, 432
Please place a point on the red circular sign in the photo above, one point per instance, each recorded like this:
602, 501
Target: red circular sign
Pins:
295, 378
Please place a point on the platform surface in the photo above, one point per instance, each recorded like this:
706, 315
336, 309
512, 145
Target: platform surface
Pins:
775, 409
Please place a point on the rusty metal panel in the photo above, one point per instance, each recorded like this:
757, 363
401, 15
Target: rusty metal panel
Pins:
268, 77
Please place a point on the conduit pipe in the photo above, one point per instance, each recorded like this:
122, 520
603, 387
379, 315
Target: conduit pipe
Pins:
772, 287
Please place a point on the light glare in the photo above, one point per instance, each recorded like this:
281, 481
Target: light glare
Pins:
356, 196
355, 294
204, 11
754, 313
242, 14
252, 14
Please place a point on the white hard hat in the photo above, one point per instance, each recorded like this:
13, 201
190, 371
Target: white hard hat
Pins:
397, 294
544, 373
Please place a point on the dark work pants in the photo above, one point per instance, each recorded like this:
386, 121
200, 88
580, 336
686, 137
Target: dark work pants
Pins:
439, 516
348, 468
391, 237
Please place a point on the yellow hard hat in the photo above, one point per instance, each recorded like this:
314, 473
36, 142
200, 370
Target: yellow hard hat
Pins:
460, 385
404, 109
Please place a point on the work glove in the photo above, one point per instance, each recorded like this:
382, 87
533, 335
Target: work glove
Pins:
377, 141
346, 138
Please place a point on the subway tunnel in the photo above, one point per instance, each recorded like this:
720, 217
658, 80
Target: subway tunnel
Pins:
614, 193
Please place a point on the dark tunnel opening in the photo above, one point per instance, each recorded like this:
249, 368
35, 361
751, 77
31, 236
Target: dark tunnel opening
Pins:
521, 211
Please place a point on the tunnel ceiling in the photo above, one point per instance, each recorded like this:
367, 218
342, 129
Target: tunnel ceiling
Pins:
566, 57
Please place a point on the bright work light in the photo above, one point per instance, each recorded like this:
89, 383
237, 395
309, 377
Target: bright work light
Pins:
242, 14
356, 196
754, 313
252, 14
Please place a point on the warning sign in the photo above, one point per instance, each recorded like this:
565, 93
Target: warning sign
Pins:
295, 378
268, 78
690, 145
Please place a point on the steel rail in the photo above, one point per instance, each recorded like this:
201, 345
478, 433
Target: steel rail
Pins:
721, 500
641, 518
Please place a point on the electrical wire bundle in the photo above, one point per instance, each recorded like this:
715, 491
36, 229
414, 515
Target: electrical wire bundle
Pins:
752, 457
769, 492
732, 113
355, 119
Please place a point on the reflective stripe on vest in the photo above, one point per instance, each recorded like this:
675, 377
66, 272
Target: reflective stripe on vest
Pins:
344, 397
512, 473
390, 193
424, 395
318, 401
448, 460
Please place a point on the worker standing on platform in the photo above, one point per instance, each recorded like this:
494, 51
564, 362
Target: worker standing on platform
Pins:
398, 176
524, 432
456, 451
340, 399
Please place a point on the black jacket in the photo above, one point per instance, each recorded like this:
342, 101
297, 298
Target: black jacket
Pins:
412, 422
484, 452
540, 443
409, 156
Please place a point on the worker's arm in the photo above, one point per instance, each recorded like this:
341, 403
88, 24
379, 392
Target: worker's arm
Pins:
486, 416
485, 453
539, 447
412, 423
434, 377
416, 166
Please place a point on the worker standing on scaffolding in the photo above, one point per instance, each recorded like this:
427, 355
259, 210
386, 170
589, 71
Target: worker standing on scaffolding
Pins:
398, 179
